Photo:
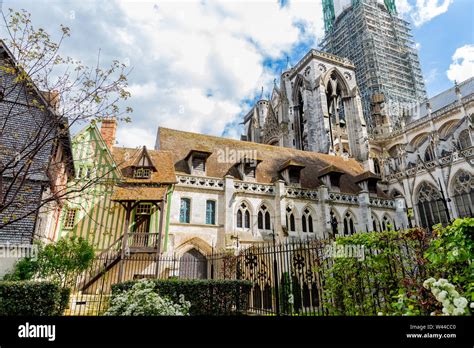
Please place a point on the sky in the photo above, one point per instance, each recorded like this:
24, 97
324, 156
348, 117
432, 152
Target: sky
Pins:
199, 65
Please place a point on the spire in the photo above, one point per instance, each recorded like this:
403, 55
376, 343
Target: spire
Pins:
288, 65
328, 14
457, 90
261, 94
390, 4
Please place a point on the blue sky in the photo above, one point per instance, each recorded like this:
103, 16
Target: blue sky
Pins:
198, 65
440, 38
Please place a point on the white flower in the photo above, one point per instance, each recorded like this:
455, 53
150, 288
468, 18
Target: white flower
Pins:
449, 287
442, 281
446, 303
442, 296
379, 313
471, 305
458, 311
435, 291
428, 282
436, 284
460, 302
445, 311
433, 313
454, 294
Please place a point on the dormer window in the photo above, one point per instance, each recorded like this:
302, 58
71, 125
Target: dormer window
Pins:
250, 170
196, 160
143, 166
141, 173
291, 172
367, 181
331, 177
199, 164
247, 167
294, 176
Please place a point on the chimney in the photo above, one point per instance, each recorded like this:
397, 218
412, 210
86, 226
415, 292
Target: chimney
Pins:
108, 130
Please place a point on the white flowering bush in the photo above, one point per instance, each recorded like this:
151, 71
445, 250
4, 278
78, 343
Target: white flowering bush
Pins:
446, 294
143, 299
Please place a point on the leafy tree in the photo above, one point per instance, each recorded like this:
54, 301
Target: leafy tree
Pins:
60, 262
40, 86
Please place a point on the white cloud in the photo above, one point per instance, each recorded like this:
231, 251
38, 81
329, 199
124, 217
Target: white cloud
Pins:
200, 60
128, 136
195, 63
431, 76
426, 10
145, 90
403, 7
462, 66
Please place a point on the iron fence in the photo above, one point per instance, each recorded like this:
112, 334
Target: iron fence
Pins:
288, 279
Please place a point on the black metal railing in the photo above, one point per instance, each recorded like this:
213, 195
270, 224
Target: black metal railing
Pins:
287, 278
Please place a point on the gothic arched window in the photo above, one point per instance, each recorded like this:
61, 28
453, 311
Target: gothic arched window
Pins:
376, 166
375, 223
307, 221
264, 220
301, 120
431, 208
463, 190
386, 223
429, 154
349, 224
464, 139
290, 220
243, 216
334, 222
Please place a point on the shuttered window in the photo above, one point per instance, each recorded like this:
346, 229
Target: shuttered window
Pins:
249, 171
199, 163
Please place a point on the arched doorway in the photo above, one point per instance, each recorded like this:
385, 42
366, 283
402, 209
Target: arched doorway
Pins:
193, 265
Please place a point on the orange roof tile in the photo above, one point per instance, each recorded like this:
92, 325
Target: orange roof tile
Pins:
219, 165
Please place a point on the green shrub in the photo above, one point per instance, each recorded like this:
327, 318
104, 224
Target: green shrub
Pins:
392, 264
32, 298
142, 299
207, 297
451, 253
60, 262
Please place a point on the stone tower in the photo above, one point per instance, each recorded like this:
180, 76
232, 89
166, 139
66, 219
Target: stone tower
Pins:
316, 108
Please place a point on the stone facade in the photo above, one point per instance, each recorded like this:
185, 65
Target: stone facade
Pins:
297, 209
317, 107
432, 153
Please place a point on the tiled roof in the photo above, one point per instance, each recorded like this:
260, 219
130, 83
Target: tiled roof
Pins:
274, 157
125, 158
367, 176
138, 193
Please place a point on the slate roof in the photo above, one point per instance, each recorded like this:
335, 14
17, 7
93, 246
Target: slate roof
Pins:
447, 97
